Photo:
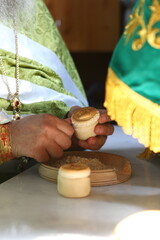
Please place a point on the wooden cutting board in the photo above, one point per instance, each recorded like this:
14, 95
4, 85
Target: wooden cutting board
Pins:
117, 170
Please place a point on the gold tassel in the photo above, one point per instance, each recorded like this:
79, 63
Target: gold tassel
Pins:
146, 154
137, 115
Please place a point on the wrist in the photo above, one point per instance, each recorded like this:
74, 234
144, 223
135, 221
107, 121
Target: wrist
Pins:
5, 143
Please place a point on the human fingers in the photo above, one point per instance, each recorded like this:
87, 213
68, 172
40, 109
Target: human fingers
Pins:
65, 126
61, 139
93, 143
104, 129
54, 151
49, 149
42, 155
104, 117
57, 136
26, 142
32, 135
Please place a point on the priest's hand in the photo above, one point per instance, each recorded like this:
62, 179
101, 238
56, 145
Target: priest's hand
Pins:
103, 129
41, 137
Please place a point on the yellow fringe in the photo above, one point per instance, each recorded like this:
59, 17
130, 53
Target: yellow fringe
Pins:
147, 154
137, 115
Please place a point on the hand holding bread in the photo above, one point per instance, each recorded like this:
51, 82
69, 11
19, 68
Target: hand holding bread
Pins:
92, 125
84, 121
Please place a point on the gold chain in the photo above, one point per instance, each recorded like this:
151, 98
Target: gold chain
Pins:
14, 98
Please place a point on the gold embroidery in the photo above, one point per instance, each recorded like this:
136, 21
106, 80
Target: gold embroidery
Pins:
147, 33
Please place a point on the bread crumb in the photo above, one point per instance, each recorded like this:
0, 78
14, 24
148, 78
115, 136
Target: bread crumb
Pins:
92, 163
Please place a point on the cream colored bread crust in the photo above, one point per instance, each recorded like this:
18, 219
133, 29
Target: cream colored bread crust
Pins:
74, 170
85, 116
84, 121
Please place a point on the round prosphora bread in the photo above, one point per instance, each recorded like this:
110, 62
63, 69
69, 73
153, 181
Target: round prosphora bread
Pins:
73, 180
84, 121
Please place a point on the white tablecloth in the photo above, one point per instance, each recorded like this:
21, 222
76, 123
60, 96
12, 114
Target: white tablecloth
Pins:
31, 208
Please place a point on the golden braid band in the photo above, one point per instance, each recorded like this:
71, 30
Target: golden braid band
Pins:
5, 143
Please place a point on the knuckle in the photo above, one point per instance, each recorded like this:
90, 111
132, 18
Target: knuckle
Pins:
44, 130
46, 115
104, 129
67, 144
46, 119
